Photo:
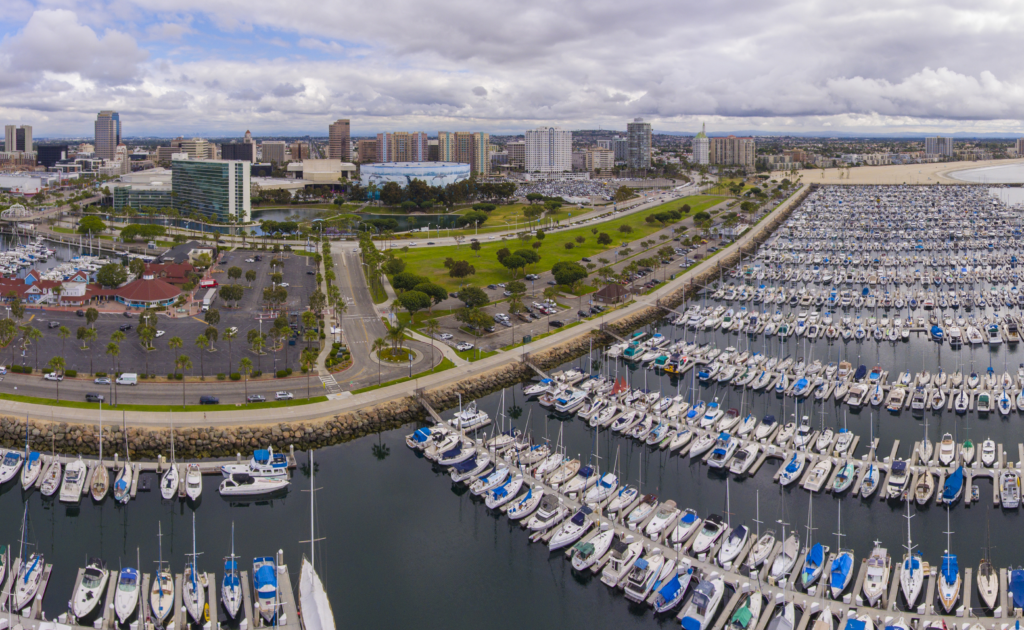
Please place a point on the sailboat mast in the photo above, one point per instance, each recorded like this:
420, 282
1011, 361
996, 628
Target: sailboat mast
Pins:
312, 489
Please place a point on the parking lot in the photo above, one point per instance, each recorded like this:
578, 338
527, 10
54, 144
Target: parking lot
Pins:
133, 358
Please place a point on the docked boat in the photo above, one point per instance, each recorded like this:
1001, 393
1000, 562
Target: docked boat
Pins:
126, 600
194, 482
29, 577
1009, 489
814, 564
911, 579
784, 619
840, 573
193, 583
10, 465
572, 530
642, 577
747, 613
31, 470
732, 545
71, 489
242, 484
161, 593
525, 505
671, 593
988, 453
52, 478
898, 477
685, 527
664, 517
267, 463
988, 583
714, 527
549, 513
869, 483
877, 577
620, 560
949, 582
844, 478
953, 486
793, 469
786, 559
584, 554
504, 493
703, 606
264, 571
231, 585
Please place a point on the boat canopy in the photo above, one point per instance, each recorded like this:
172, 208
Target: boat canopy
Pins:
793, 466
688, 518
670, 589
950, 571
855, 624
816, 555
1017, 588
421, 435
640, 563
953, 484
742, 617
689, 623
585, 471
841, 568
769, 419
465, 466
265, 577
899, 465
724, 436
262, 455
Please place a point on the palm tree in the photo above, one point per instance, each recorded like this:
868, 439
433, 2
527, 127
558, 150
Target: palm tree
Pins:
202, 342
258, 344
63, 333
32, 335
89, 335
397, 335
245, 365
146, 335
431, 326
114, 350
175, 343
340, 307
57, 365
230, 334
309, 359
378, 345
185, 363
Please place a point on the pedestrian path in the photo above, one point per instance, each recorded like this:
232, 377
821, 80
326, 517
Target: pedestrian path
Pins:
330, 384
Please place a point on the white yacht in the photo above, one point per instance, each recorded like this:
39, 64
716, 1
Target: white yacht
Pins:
877, 578
704, 604
264, 463
74, 482
126, 600
90, 589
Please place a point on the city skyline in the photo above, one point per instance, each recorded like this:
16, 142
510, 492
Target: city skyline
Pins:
915, 68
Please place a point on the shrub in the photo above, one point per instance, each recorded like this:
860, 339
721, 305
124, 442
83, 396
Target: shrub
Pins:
143, 376
221, 377
71, 373
178, 377
257, 373
288, 371
98, 374
170, 377
235, 376
282, 373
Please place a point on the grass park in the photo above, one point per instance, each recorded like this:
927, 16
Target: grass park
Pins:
429, 262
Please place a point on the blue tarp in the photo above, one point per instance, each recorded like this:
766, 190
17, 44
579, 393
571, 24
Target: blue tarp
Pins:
421, 435
815, 556
688, 518
261, 455
841, 568
953, 485
585, 472
769, 419
792, 466
724, 436
670, 589
641, 563
689, 623
265, 577
950, 571
899, 465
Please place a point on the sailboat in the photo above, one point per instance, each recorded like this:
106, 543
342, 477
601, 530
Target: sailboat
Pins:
123, 481
814, 562
169, 480
911, 571
316, 608
841, 570
231, 586
988, 577
193, 585
99, 484
161, 594
949, 576
31, 573
33, 465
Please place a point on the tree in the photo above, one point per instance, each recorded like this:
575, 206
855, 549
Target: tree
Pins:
212, 334
502, 253
111, 275
475, 246
308, 359
136, 267
391, 194
114, 350
229, 335
461, 269
516, 287
234, 273
436, 292
212, 317
378, 345
534, 197
393, 266
317, 301
529, 256
182, 363
625, 229
91, 315
175, 343
250, 276
91, 224
431, 327
231, 293
413, 301
245, 365
512, 262
624, 193
57, 365
32, 335
473, 297
515, 307
473, 317
407, 280
604, 239
63, 333
202, 342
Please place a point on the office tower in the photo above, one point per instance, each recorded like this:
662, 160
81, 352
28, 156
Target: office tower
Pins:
367, 151
108, 134
600, 159
938, 147
516, 153
548, 150
339, 147
733, 151
1020, 147
217, 189
701, 148
273, 151
638, 133
238, 151
48, 155
621, 148
197, 148
298, 151
480, 155
18, 139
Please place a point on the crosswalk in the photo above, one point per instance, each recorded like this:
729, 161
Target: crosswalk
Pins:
330, 384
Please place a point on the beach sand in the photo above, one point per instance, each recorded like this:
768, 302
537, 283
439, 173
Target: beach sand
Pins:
895, 174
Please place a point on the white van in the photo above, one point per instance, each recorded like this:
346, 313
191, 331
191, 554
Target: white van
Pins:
129, 378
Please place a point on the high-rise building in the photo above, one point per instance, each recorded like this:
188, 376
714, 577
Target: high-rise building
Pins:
49, 154
466, 147
621, 148
367, 151
548, 150
108, 134
938, 147
218, 189
197, 148
238, 151
480, 157
733, 151
247, 140
605, 144
18, 139
273, 151
638, 133
701, 148
402, 146
339, 147
516, 153
298, 151
445, 146
600, 159
1020, 147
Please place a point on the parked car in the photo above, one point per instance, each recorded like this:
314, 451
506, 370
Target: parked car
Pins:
102, 380
585, 259
465, 345
52, 324
124, 327
311, 273
284, 396
80, 313
492, 286
127, 314
53, 376
557, 323
446, 336
161, 333
94, 398
255, 398
453, 295
209, 400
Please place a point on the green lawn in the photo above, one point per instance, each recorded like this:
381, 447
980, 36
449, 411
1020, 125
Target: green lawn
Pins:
445, 364
476, 354
430, 261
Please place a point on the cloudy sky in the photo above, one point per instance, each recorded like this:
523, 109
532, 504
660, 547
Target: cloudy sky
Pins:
291, 66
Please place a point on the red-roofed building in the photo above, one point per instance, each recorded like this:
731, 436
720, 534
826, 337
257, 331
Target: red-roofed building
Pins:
147, 292
171, 273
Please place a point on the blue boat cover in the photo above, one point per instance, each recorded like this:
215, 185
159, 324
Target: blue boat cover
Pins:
465, 466
421, 435
33, 456
641, 563
689, 623
262, 455
859, 374
718, 451
1017, 587
670, 589
724, 436
802, 383
792, 466
546, 381
769, 419
899, 465
265, 577
500, 491
950, 572
452, 453
954, 483
689, 517
816, 555
586, 471
841, 568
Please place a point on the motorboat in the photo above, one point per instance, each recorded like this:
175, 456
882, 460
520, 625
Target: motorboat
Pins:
10, 465
664, 517
672, 591
988, 453
126, 599
725, 448
242, 484
686, 525
267, 463
549, 513
744, 458
641, 578
264, 571
732, 545
623, 554
71, 489
572, 530
1009, 489
898, 477
876, 579
714, 527
584, 554
703, 606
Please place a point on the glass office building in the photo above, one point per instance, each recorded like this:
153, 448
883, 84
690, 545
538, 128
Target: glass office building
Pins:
218, 189
434, 173
141, 196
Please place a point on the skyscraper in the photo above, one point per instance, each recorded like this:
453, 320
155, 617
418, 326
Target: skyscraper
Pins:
402, 146
273, 151
701, 148
218, 189
938, 147
548, 150
340, 148
733, 151
639, 135
18, 138
1020, 147
480, 156
108, 134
